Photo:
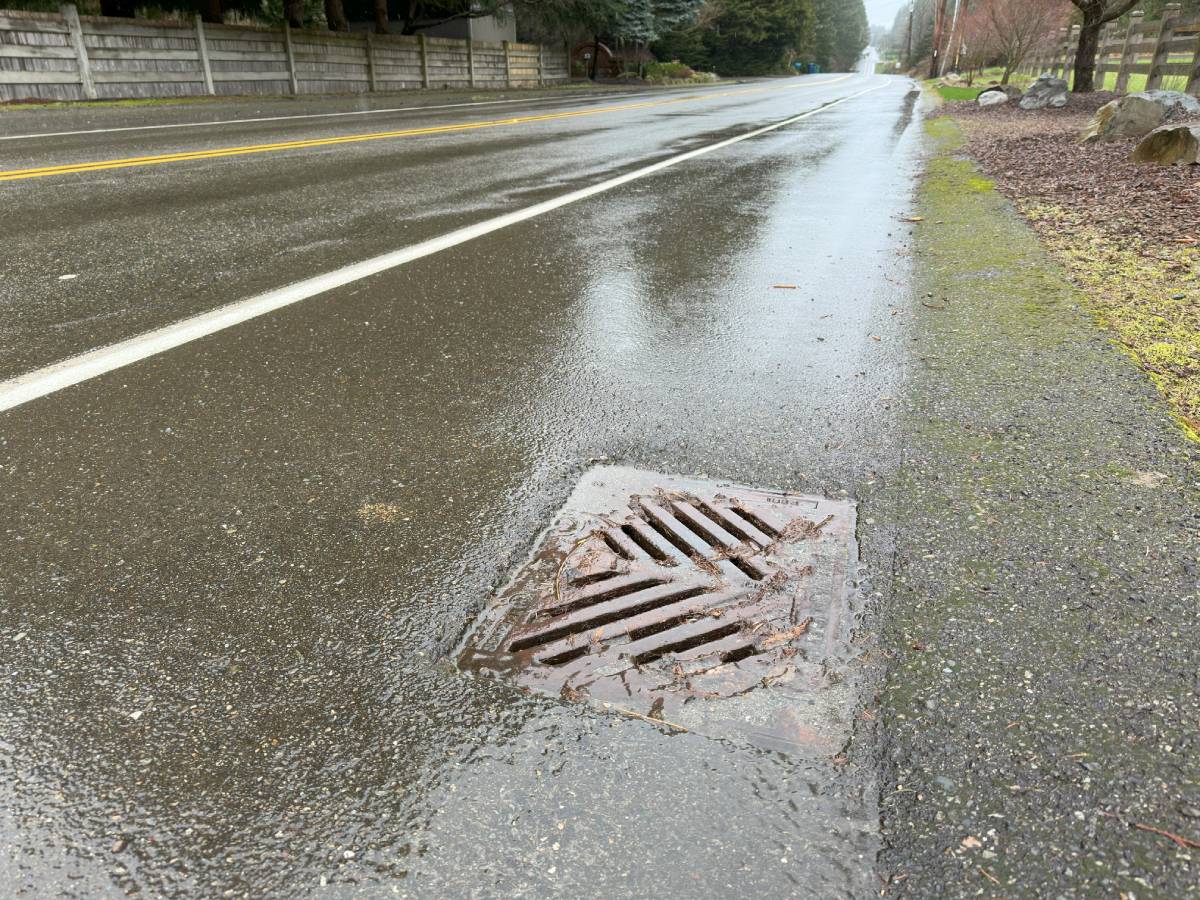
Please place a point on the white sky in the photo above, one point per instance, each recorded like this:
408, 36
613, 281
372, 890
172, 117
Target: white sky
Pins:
883, 12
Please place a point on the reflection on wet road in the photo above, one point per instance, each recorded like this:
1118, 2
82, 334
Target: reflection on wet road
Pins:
232, 571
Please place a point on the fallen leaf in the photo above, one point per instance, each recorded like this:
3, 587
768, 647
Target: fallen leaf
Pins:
971, 843
782, 637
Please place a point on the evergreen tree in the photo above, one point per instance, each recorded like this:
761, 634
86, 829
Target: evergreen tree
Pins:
672, 15
637, 23
742, 37
840, 35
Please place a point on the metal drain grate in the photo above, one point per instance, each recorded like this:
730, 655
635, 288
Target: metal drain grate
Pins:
655, 591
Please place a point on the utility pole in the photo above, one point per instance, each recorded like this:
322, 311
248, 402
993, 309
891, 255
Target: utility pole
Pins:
939, 29
950, 43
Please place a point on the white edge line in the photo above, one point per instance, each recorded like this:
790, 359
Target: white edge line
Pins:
356, 112
86, 366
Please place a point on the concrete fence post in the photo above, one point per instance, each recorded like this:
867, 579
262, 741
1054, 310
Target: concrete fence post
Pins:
1162, 50
372, 84
567, 59
293, 80
1129, 51
541, 65
508, 64
424, 48
471, 61
71, 16
202, 52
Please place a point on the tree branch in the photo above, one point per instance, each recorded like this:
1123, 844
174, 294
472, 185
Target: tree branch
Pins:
1122, 7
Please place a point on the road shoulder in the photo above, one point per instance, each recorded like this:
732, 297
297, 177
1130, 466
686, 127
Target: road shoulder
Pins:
1041, 695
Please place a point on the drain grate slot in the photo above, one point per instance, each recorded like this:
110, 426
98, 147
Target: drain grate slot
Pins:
665, 625
609, 589
756, 520
739, 528
688, 643
673, 531
749, 569
740, 653
689, 606
561, 659
593, 578
616, 545
708, 530
624, 607
643, 540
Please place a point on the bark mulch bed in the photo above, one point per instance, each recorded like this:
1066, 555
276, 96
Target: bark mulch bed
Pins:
1129, 234
1034, 155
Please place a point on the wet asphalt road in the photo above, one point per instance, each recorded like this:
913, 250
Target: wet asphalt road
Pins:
232, 571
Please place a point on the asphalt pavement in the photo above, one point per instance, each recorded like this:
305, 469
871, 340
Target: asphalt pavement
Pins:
233, 569
288, 388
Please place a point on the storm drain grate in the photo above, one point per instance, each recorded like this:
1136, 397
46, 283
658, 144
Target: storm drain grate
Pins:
654, 591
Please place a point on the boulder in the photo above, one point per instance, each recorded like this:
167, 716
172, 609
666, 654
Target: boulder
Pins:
1138, 114
1014, 92
1047, 91
992, 98
1169, 145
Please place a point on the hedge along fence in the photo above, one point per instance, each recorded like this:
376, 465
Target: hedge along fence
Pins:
1166, 52
73, 57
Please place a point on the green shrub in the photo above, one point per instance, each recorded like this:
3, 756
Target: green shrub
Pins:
669, 71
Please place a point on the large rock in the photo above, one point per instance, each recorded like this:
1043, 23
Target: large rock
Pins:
992, 98
1169, 145
1012, 90
1138, 114
1047, 91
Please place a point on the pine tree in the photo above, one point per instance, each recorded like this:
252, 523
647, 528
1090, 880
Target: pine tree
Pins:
841, 34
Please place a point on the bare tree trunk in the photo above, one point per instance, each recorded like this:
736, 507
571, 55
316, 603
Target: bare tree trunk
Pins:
595, 56
381, 17
1085, 59
293, 12
335, 15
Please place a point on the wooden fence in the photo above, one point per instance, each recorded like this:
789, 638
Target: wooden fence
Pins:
73, 57
1166, 52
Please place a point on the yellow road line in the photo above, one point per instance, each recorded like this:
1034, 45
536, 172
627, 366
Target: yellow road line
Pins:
185, 156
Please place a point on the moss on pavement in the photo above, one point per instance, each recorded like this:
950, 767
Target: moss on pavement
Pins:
1041, 629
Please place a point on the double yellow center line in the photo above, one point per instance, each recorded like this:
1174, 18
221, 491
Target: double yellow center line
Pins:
189, 155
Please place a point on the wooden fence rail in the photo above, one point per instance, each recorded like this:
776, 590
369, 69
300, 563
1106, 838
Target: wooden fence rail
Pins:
72, 57
1166, 52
